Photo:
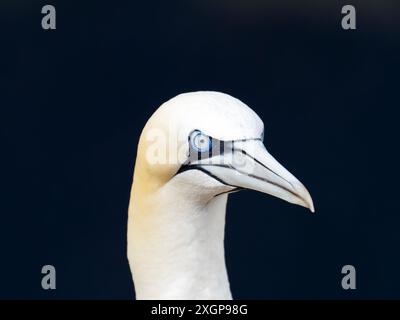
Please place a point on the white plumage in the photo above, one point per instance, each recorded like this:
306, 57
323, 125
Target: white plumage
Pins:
178, 201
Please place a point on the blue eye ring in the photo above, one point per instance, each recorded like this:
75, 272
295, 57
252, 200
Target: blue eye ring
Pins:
200, 142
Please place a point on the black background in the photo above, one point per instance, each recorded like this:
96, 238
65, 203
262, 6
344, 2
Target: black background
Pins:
74, 100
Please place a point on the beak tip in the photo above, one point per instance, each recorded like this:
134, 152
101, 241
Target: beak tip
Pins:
304, 197
310, 205
308, 202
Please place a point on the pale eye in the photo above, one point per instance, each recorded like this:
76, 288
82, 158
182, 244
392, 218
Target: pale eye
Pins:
200, 142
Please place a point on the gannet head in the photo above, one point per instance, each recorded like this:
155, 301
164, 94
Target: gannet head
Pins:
209, 143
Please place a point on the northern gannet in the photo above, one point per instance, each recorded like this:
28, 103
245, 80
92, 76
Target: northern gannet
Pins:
193, 151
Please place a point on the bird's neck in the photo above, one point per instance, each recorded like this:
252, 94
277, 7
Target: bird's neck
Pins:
176, 246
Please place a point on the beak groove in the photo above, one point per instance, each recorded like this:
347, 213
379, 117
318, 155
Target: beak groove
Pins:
250, 166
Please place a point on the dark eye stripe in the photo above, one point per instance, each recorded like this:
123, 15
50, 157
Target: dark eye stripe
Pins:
215, 146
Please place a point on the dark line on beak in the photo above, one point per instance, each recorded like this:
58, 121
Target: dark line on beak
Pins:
200, 168
263, 165
244, 173
249, 175
231, 191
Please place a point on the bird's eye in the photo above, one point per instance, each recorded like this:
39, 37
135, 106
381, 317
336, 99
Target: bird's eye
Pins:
200, 142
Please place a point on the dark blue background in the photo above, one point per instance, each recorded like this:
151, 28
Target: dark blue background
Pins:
73, 102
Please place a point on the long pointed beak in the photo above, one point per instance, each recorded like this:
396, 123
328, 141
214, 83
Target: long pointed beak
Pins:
249, 165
